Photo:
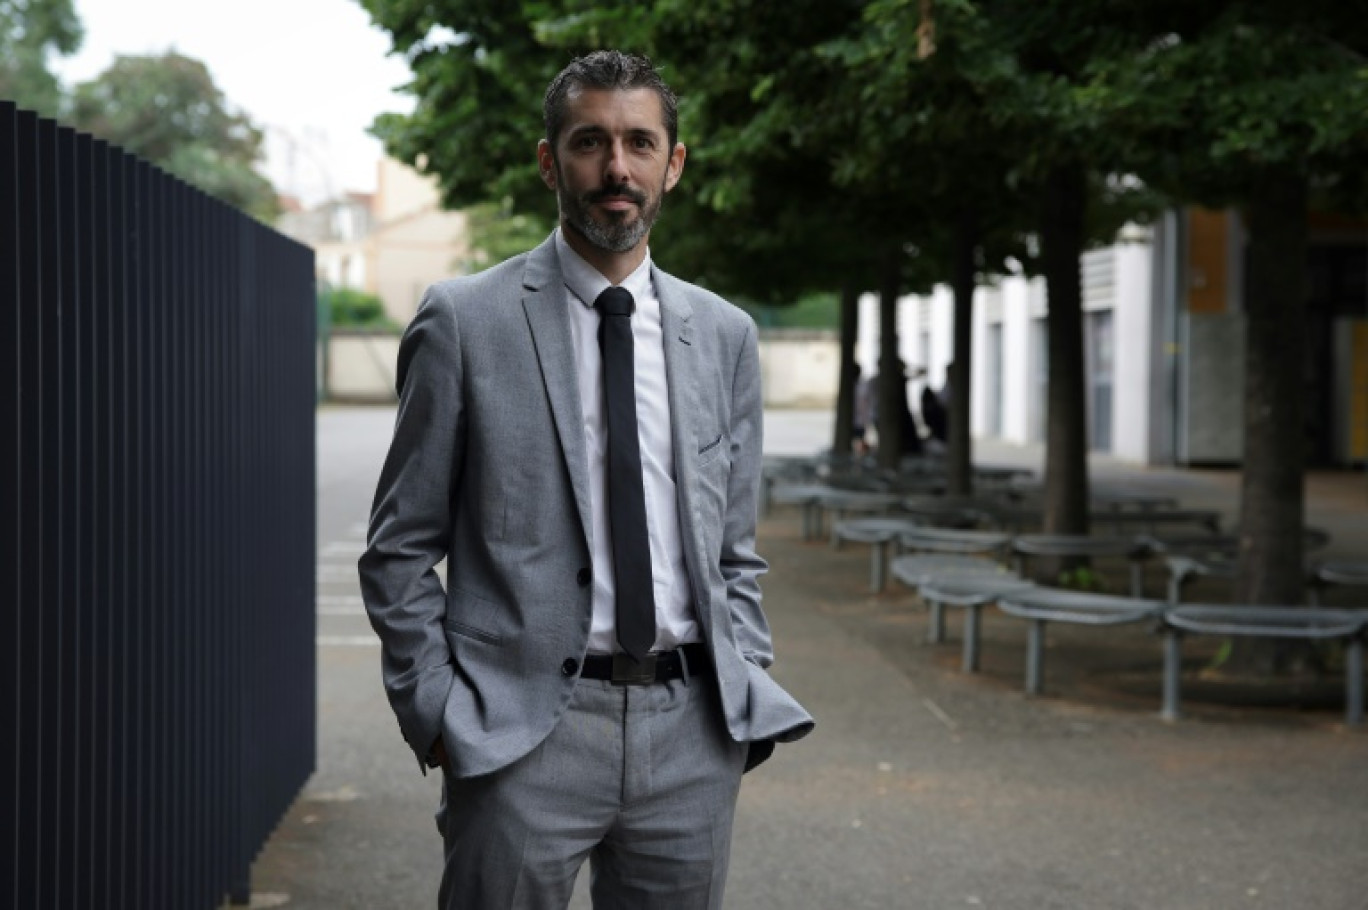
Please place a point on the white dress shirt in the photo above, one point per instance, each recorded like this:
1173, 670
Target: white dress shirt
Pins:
675, 621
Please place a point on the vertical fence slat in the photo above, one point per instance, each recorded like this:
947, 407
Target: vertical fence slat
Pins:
157, 545
26, 547
10, 641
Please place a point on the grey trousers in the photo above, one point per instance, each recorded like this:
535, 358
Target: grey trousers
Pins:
641, 780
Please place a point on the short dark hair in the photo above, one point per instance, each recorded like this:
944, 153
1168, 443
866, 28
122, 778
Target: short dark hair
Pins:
607, 70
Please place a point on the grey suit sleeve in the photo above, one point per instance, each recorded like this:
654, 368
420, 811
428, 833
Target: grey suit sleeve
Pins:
410, 527
741, 565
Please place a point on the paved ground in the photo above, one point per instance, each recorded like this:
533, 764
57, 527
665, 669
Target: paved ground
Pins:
922, 788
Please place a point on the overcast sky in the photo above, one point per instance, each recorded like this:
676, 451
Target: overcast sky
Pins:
312, 73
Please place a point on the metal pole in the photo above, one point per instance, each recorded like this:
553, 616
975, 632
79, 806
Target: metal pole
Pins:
970, 661
1173, 665
1035, 656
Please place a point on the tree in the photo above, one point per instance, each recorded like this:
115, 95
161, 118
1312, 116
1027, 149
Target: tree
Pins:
168, 110
31, 30
758, 214
1257, 105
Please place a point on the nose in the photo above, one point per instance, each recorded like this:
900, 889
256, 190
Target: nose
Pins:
615, 169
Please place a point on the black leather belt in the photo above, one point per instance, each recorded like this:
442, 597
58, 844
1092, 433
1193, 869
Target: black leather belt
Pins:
687, 660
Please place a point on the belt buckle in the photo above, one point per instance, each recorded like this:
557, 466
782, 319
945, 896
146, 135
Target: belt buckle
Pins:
628, 672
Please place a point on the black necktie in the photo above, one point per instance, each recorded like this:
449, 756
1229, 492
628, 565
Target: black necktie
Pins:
635, 597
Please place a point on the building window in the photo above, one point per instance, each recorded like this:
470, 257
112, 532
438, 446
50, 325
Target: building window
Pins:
1099, 366
993, 377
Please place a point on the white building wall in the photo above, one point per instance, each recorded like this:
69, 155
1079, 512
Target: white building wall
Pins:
1016, 368
1120, 281
987, 302
1133, 325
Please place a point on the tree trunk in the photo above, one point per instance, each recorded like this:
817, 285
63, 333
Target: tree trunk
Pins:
1272, 512
1066, 445
960, 453
845, 395
892, 383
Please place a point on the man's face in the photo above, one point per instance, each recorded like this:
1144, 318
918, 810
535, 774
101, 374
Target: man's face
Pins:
612, 166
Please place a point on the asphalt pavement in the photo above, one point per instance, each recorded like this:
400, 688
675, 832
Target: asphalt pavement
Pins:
921, 787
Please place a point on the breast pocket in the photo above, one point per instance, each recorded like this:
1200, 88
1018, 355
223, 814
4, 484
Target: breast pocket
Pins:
709, 451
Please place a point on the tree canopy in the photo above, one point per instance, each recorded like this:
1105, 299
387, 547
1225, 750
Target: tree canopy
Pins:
168, 110
30, 32
894, 143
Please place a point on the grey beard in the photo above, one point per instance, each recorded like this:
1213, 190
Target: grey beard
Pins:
615, 236
618, 235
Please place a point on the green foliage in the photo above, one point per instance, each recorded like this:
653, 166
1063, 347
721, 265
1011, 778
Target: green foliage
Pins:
1234, 90
1083, 578
353, 309
498, 232
30, 31
819, 310
168, 110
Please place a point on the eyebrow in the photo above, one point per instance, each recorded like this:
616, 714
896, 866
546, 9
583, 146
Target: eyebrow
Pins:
594, 128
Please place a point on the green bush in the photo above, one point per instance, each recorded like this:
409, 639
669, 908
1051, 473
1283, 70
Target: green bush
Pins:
352, 309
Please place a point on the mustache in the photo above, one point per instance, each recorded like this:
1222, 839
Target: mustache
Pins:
616, 192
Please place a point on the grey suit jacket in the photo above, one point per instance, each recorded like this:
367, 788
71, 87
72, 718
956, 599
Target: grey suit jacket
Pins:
488, 469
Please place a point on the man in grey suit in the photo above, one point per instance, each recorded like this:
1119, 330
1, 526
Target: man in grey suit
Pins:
579, 436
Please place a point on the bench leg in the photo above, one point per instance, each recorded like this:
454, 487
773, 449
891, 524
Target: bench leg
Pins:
1137, 579
1173, 664
1035, 656
1353, 673
835, 520
936, 634
878, 566
1175, 587
970, 660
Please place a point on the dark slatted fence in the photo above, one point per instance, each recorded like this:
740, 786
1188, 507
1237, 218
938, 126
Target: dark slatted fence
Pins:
156, 530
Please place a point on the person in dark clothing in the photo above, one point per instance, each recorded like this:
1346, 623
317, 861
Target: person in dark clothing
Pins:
934, 414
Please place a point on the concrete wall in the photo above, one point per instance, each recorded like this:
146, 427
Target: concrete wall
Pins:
360, 367
798, 369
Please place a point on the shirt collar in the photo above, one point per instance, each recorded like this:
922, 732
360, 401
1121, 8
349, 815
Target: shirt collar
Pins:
587, 282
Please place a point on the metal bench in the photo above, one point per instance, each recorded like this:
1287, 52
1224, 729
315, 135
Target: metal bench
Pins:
1336, 574
806, 495
1043, 605
1117, 498
880, 534
1148, 521
1216, 557
971, 591
955, 541
965, 512
1303, 623
843, 502
1135, 549
1185, 569
917, 569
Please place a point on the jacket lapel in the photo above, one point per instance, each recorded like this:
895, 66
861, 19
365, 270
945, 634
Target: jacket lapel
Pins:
681, 369
682, 360
544, 303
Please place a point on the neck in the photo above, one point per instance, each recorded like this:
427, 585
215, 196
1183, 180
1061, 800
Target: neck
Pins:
613, 266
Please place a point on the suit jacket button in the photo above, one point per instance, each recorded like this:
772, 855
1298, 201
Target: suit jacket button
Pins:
570, 667
584, 577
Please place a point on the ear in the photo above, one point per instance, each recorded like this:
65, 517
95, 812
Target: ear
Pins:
675, 167
546, 164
